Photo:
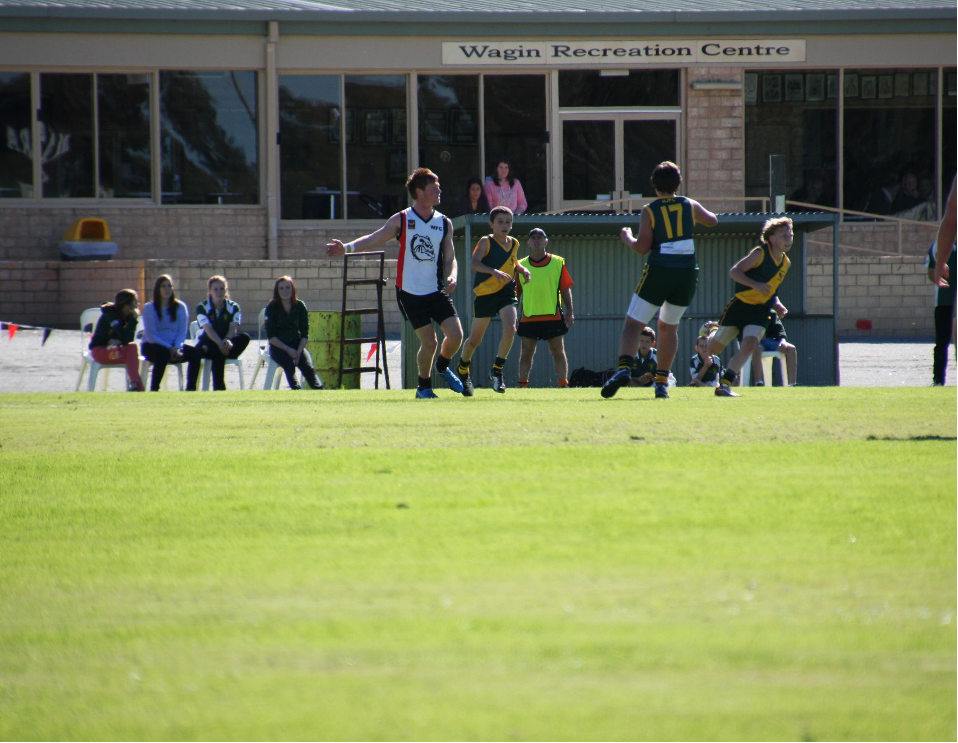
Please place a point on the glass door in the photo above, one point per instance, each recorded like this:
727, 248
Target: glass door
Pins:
608, 157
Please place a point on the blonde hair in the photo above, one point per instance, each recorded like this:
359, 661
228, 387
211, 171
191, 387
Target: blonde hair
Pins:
222, 280
773, 224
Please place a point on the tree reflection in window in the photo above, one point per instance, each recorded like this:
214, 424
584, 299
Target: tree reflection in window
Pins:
209, 130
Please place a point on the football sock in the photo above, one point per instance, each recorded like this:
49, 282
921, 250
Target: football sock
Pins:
662, 376
497, 366
464, 367
728, 378
563, 383
442, 363
625, 362
523, 382
425, 383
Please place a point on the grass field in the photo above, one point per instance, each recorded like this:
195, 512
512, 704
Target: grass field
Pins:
543, 565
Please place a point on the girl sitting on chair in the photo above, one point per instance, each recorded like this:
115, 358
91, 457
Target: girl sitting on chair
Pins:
112, 341
165, 321
219, 318
287, 327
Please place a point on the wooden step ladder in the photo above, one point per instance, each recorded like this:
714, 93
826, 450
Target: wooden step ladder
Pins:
380, 338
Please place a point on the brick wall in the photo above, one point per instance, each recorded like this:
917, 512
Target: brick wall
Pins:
892, 292
53, 294
714, 150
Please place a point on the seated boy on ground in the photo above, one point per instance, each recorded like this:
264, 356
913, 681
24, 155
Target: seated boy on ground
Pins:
704, 368
643, 370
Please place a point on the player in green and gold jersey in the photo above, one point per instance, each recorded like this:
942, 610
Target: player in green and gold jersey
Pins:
495, 263
757, 278
669, 279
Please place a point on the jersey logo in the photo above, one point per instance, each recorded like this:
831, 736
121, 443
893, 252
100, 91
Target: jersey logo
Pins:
411, 224
422, 248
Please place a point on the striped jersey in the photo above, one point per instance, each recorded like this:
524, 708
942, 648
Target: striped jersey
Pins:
419, 270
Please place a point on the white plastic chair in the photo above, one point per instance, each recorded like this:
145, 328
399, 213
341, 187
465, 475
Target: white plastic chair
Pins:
767, 358
146, 364
88, 319
273, 379
208, 365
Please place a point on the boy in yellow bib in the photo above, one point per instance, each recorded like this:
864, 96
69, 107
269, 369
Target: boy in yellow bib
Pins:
495, 263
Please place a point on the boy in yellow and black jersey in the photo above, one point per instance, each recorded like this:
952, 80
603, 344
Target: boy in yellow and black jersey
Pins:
495, 263
757, 278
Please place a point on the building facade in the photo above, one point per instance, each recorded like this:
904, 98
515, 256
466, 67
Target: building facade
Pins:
256, 129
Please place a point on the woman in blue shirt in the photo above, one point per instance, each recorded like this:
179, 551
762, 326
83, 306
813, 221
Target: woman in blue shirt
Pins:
165, 321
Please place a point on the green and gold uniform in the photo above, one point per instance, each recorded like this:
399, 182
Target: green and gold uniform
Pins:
113, 326
492, 293
748, 306
671, 271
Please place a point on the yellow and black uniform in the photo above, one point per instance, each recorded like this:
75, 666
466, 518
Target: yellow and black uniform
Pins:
749, 306
671, 271
493, 293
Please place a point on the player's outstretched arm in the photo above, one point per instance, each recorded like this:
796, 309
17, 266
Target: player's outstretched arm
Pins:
702, 215
384, 234
946, 239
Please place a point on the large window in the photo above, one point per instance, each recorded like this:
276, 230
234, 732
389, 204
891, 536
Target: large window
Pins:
948, 128
16, 169
449, 133
375, 135
890, 141
515, 123
311, 171
66, 135
794, 114
123, 126
594, 88
209, 138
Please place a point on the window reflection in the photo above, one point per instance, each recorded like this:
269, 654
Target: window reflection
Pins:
792, 114
375, 133
889, 143
515, 120
209, 129
16, 170
310, 157
449, 134
123, 122
66, 135
638, 88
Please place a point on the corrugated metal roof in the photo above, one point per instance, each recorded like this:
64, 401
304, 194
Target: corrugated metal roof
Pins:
279, 9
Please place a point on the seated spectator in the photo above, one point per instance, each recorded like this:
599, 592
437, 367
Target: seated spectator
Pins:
775, 340
219, 318
474, 200
165, 322
505, 190
643, 370
114, 335
704, 368
287, 327
907, 196
813, 192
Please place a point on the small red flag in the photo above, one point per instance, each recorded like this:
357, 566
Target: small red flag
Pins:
372, 350
12, 330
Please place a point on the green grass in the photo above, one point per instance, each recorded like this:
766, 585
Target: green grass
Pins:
543, 565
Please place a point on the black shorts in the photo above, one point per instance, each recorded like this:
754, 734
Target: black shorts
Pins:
666, 284
419, 310
542, 330
738, 314
488, 305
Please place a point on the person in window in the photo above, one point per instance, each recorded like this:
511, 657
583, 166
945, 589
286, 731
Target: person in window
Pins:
907, 196
287, 327
474, 200
114, 335
165, 321
219, 318
505, 190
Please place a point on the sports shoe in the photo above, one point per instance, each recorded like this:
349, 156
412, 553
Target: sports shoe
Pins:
612, 384
498, 383
455, 384
467, 389
661, 391
426, 394
134, 387
760, 383
723, 390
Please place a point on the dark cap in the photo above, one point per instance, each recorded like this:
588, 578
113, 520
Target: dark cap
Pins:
537, 231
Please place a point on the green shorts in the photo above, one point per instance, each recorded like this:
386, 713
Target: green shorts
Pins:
488, 305
664, 284
739, 314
